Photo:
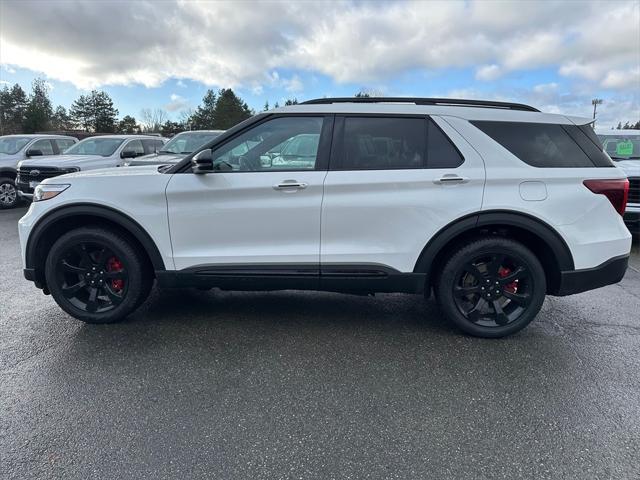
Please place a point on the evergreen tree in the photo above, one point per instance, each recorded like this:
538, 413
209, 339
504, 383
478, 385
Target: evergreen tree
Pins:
266, 106
105, 114
13, 104
128, 125
291, 102
619, 127
230, 110
169, 128
204, 116
81, 112
61, 121
39, 110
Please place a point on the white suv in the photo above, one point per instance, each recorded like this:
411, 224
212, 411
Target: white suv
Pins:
490, 205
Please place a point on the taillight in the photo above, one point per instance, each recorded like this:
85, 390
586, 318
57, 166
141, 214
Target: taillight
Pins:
616, 190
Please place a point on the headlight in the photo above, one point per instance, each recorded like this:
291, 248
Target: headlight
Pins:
46, 192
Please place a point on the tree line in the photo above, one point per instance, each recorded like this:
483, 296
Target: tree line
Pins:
628, 126
95, 112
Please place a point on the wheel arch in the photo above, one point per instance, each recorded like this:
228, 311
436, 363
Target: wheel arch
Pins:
48, 229
8, 172
550, 248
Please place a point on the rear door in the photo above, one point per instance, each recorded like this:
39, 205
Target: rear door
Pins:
394, 182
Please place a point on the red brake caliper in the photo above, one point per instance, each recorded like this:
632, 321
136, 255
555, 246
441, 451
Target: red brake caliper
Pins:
509, 287
115, 265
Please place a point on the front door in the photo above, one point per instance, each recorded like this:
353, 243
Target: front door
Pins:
260, 209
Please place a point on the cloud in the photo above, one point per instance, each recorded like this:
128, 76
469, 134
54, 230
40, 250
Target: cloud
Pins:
177, 103
488, 72
241, 44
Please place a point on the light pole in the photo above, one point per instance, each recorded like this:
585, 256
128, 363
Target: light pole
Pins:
595, 102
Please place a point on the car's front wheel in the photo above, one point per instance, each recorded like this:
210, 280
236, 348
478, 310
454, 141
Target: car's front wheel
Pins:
492, 287
96, 275
8, 193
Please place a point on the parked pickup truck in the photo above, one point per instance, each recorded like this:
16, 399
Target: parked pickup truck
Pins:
14, 148
94, 152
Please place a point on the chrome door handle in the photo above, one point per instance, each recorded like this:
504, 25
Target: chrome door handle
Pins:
286, 185
450, 179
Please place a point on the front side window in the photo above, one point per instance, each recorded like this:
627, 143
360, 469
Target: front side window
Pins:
63, 143
12, 145
134, 146
44, 146
95, 146
281, 144
542, 145
152, 146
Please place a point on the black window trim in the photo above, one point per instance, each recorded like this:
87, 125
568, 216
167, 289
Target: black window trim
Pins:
324, 145
337, 146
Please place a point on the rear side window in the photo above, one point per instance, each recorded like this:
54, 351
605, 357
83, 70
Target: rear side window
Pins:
440, 151
542, 145
391, 143
383, 143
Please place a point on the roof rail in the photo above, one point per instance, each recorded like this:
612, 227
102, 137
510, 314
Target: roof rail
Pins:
425, 101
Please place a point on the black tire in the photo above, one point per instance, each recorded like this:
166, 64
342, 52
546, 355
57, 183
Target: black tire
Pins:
491, 287
97, 275
8, 193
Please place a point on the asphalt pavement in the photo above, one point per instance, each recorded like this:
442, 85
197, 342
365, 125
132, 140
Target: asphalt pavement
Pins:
314, 385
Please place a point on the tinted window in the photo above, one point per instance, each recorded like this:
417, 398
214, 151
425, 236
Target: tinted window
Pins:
592, 148
271, 146
383, 143
152, 146
537, 144
136, 146
187, 142
44, 146
63, 144
440, 151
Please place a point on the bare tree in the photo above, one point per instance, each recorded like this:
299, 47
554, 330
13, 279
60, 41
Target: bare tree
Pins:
185, 117
152, 119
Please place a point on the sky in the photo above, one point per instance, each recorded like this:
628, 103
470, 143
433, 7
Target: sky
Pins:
556, 56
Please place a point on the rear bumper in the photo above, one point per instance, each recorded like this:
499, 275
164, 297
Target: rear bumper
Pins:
607, 273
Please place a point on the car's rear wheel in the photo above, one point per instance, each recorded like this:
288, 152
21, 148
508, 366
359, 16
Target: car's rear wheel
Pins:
96, 275
8, 193
492, 287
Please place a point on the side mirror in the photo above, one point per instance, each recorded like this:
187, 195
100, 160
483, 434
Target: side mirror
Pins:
32, 152
128, 154
202, 162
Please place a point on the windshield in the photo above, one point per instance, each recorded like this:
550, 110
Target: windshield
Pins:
188, 142
622, 146
11, 145
95, 146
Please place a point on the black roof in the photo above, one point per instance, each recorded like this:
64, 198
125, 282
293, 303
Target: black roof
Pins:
457, 102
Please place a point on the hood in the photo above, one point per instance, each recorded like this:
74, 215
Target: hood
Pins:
156, 159
10, 160
108, 172
59, 160
631, 168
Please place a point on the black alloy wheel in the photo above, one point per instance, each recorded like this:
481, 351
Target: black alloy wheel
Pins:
492, 287
97, 275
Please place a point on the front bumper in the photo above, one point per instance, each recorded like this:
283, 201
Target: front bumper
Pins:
607, 273
632, 220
